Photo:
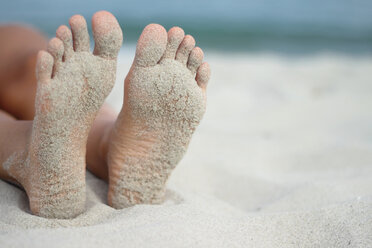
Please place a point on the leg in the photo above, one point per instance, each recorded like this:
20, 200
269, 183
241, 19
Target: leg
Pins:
18, 48
98, 141
14, 137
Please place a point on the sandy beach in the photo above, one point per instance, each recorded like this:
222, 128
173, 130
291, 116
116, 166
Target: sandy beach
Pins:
282, 158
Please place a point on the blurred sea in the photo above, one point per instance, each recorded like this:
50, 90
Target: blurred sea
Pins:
283, 26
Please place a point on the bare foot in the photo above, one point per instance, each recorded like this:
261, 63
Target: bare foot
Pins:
72, 86
165, 97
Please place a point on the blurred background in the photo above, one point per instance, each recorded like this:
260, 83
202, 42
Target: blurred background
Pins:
285, 26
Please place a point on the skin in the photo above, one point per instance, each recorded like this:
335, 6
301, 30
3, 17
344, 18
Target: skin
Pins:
158, 117
17, 98
72, 84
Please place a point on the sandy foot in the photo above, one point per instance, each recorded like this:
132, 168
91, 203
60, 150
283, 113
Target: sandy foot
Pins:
165, 98
72, 86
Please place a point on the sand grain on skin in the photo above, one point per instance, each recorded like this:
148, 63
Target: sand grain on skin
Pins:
53, 172
165, 106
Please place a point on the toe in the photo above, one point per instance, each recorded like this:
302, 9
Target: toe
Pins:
64, 34
55, 48
44, 67
175, 37
151, 45
185, 48
107, 35
195, 59
79, 33
203, 74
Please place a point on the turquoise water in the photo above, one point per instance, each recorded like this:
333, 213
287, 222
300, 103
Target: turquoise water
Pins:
287, 26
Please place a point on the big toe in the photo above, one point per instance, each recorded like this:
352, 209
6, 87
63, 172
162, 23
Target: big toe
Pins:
107, 35
151, 45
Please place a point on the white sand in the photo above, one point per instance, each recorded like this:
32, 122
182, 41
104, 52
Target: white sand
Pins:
283, 158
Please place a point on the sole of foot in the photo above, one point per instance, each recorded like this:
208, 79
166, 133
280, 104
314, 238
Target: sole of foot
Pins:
72, 86
164, 101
